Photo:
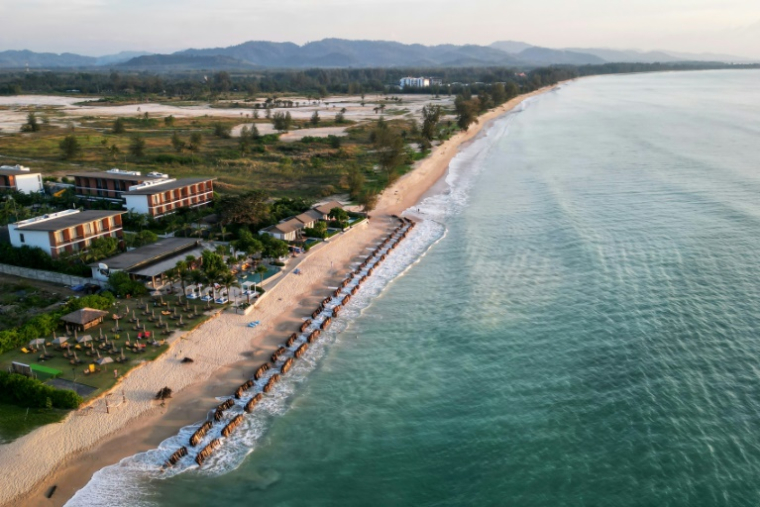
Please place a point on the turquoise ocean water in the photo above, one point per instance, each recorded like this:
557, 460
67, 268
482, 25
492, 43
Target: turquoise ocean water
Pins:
576, 323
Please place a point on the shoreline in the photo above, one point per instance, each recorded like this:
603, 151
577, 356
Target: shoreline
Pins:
68, 453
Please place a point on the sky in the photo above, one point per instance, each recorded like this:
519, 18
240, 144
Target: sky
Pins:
98, 27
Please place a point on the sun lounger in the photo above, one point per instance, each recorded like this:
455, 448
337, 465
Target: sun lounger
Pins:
221, 301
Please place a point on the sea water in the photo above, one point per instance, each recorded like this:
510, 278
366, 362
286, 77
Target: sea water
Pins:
575, 323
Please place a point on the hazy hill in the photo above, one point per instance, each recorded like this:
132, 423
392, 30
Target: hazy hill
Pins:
20, 59
546, 56
510, 46
351, 53
342, 53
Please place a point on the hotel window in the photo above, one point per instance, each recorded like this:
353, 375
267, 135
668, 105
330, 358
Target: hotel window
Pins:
22, 237
87, 229
59, 236
99, 226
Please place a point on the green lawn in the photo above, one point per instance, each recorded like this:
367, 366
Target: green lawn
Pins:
17, 421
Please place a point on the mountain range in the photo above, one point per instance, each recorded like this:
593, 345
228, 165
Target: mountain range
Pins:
341, 53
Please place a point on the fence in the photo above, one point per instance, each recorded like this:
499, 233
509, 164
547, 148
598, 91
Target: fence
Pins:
44, 276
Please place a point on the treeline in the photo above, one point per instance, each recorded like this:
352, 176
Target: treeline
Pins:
313, 81
36, 258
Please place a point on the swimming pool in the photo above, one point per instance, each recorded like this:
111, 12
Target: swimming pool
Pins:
256, 278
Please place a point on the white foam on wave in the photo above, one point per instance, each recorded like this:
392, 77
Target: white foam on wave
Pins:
123, 484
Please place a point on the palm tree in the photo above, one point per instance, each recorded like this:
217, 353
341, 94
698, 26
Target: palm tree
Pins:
261, 270
228, 280
183, 271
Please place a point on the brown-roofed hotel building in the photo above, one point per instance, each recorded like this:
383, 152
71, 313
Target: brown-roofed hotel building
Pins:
158, 198
67, 231
109, 184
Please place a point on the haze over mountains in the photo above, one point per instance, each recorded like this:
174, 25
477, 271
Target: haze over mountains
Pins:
341, 53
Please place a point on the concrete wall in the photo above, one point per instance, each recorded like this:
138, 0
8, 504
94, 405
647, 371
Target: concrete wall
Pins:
137, 204
45, 276
39, 239
29, 183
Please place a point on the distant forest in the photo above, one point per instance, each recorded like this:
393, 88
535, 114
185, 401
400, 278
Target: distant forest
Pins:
318, 82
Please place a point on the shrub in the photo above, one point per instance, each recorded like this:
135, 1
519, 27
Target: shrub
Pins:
28, 392
123, 285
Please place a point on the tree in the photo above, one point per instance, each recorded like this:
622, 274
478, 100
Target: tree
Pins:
177, 143
183, 271
142, 238
213, 265
70, 147
196, 140
431, 115
340, 118
227, 279
250, 208
356, 181
222, 131
368, 200
339, 215
122, 284
282, 121
114, 151
118, 126
315, 119
261, 270
389, 146
31, 124
137, 146
169, 121
274, 248
100, 248
466, 111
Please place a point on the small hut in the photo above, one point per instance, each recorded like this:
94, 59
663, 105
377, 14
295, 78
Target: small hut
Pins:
84, 319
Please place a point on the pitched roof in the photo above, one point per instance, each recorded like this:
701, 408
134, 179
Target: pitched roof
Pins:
66, 221
327, 207
309, 216
84, 316
288, 226
164, 187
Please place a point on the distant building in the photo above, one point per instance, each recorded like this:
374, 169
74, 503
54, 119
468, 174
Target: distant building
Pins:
110, 184
309, 218
161, 197
286, 231
67, 231
20, 178
414, 82
326, 208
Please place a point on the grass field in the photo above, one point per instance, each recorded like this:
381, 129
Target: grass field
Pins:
104, 379
312, 167
16, 421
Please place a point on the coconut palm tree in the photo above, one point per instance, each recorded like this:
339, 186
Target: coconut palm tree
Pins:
261, 270
228, 280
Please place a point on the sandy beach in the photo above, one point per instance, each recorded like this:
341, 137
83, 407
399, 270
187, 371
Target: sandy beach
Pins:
224, 349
